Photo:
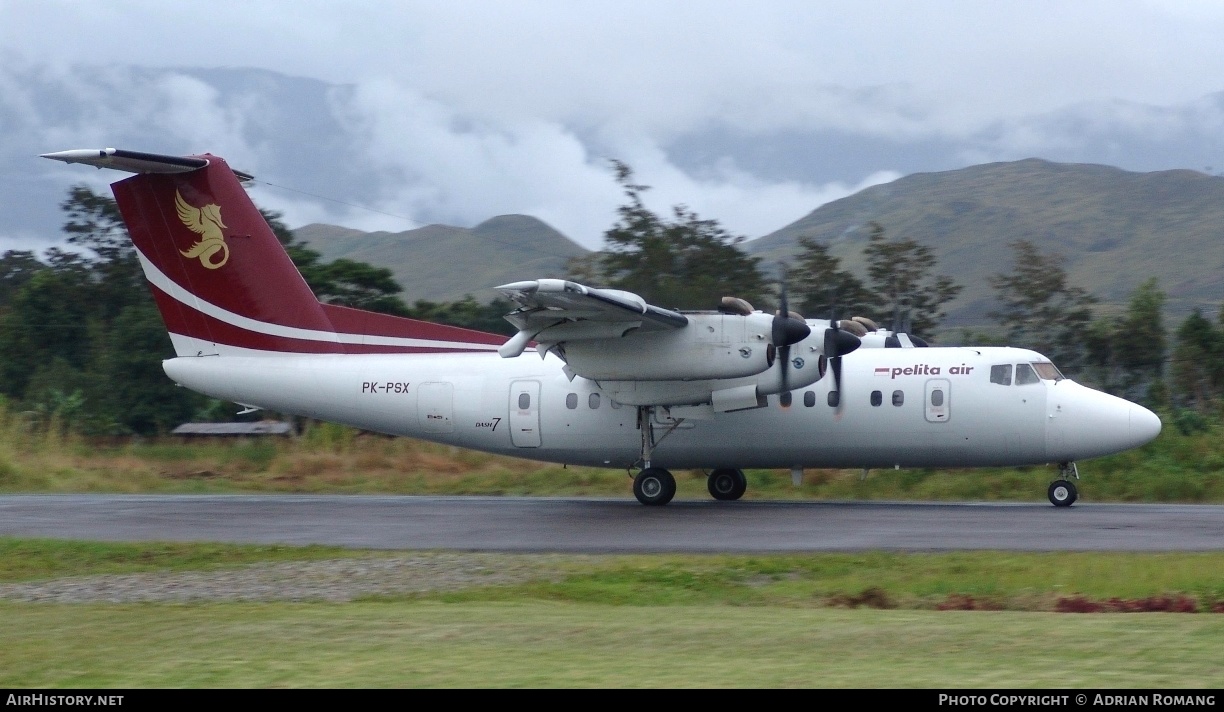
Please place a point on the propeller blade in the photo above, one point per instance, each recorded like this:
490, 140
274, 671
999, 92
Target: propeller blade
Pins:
784, 371
838, 343
788, 328
782, 307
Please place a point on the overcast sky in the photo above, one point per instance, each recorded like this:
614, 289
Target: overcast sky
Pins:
470, 109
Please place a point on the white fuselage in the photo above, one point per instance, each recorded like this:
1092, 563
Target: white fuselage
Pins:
473, 400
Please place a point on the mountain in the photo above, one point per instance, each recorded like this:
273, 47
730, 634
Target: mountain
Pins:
1114, 229
444, 263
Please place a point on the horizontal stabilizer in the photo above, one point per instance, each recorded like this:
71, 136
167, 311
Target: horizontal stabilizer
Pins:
134, 161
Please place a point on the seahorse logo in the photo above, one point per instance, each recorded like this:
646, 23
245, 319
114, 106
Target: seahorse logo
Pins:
206, 222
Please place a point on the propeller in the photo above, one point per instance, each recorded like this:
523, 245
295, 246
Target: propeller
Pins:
788, 328
837, 343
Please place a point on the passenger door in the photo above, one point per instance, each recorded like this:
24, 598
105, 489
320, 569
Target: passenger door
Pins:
525, 413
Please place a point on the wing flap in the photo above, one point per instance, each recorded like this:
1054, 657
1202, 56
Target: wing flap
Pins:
572, 301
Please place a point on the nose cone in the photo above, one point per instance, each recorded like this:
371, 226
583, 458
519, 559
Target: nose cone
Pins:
1144, 425
1085, 423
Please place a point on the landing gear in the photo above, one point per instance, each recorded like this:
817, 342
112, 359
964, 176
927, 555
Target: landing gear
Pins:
1062, 492
727, 483
654, 486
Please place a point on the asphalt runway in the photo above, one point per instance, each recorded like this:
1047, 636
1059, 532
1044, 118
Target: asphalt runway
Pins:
612, 525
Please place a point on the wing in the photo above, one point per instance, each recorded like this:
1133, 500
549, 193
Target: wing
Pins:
189, 214
555, 310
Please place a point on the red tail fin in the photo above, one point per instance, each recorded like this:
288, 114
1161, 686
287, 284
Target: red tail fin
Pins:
224, 283
218, 273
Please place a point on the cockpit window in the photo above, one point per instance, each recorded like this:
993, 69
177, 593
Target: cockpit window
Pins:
1048, 372
1025, 375
1001, 374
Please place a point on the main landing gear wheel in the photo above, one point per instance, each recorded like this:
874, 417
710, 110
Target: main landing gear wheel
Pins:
654, 486
727, 483
1062, 493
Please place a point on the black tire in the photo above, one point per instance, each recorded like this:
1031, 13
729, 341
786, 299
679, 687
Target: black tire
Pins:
727, 484
1062, 493
654, 486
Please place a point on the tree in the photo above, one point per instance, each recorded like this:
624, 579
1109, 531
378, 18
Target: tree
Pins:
17, 267
95, 223
904, 289
1196, 362
48, 319
1139, 343
1101, 365
137, 392
1040, 310
685, 262
821, 288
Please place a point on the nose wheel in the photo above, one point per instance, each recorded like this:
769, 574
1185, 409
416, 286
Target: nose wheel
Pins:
1062, 491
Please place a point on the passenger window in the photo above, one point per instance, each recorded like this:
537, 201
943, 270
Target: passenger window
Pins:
571, 401
834, 399
809, 397
898, 398
524, 401
1001, 374
614, 404
937, 397
593, 401
877, 397
1025, 374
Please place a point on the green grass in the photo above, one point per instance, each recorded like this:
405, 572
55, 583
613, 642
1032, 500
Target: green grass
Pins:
552, 644
1017, 581
630, 621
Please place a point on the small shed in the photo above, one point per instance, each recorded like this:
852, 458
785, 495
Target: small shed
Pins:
261, 428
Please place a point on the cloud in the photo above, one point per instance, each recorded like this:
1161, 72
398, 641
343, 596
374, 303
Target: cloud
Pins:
454, 112
664, 67
384, 157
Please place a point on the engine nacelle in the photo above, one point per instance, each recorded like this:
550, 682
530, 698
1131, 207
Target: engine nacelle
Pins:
727, 394
710, 346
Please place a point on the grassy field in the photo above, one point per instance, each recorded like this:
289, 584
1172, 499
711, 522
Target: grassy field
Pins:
1176, 467
811, 620
553, 644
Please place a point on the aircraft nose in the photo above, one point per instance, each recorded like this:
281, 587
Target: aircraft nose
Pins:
1087, 423
1144, 425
